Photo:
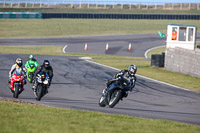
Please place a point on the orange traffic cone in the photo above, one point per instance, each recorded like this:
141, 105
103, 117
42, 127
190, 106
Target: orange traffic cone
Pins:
129, 46
86, 48
107, 46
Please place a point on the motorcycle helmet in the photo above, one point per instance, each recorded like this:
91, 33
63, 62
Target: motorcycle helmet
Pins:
132, 69
46, 63
31, 57
19, 62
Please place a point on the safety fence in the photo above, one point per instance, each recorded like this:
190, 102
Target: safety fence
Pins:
120, 16
25, 15
99, 4
97, 16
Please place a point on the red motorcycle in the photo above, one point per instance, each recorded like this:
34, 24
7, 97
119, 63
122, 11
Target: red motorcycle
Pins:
17, 83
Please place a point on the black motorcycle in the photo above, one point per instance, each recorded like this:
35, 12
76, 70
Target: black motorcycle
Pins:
116, 90
42, 84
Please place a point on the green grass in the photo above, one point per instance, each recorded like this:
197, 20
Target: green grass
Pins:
67, 10
119, 62
82, 27
22, 118
159, 50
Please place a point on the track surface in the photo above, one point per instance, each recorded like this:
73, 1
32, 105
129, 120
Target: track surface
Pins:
77, 84
118, 45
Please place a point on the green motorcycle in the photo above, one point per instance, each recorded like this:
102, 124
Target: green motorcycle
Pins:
30, 72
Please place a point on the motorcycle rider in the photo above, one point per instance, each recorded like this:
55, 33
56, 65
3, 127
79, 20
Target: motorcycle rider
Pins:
17, 66
45, 67
31, 61
128, 75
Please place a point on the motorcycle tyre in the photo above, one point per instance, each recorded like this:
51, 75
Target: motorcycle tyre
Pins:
39, 93
16, 92
116, 98
31, 78
102, 102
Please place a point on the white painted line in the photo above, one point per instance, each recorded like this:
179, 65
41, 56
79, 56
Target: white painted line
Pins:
145, 54
85, 58
140, 76
65, 48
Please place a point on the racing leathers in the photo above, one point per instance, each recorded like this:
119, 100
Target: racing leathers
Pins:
17, 68
31, 62
13, 68
130, 77
48, 70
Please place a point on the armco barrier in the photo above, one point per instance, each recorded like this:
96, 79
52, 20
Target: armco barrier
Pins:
27, 15
37, 15
120, 16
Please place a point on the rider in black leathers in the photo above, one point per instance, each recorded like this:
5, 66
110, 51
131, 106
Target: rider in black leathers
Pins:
128, 75
45, 67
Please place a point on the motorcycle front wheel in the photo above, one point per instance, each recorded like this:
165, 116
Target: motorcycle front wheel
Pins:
16, 92
115, 97
39, 92
102, 102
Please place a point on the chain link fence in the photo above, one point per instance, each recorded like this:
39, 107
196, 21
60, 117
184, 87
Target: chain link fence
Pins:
97, 4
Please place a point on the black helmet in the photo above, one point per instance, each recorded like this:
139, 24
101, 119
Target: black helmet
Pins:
46, 63
132, 69
19, 62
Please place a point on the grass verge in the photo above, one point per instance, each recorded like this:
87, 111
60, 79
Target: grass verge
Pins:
35, 118
82, 27
159, 50
119, 62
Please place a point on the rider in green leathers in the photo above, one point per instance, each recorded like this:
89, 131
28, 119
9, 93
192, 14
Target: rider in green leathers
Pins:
31, 61
30, 68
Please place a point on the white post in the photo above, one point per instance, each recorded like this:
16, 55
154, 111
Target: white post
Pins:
40, 3
72, 4
173, 6
80, 4
189, 6
88, 4
33, 4
96, 5
155, 6
104, 5
4, 3
139, 6
130, 6
18, 3
147, 6
26, 4
11, 4
113, 5
122, 5
164, 6
181, 6
48, 3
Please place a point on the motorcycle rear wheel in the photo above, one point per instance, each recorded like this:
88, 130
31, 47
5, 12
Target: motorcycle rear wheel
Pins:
116, 96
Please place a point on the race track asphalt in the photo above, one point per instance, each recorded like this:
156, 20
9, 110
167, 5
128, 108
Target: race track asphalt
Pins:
118, 44
77, 84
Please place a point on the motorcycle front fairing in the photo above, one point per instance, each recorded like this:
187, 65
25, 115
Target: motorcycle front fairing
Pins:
121, 83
